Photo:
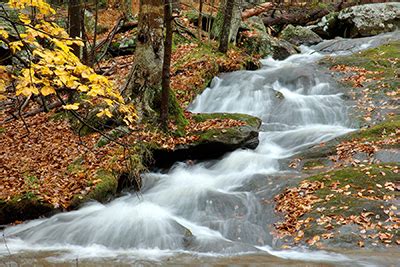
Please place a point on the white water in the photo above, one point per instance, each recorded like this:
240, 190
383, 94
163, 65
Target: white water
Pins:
299, 107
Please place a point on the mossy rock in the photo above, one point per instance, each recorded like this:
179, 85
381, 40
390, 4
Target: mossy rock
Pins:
376, 132
103, 191
25, 207
256, 41
212, 143
299, 35
352, 204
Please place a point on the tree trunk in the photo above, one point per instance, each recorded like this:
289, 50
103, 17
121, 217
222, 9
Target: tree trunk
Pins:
226, 26
200, 19
166, 64
143, 85
218, 23
75, 21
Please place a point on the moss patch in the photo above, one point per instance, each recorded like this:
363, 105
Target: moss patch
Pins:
379, 131
105, 188
355, 196
23, 207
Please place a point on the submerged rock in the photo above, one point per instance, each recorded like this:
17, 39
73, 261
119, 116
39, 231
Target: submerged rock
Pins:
299, 35
212, 143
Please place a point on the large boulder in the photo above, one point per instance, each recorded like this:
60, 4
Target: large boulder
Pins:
256, 40
299, 35
212, 143
369, 20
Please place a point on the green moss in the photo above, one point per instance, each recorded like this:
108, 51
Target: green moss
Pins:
380, 59
176, 113
2, 130
23, 207
59, 116
113, 135
76, 166
103, 190
357, 181
313, 163
377, 132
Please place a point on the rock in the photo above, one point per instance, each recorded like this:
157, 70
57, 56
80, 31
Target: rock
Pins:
26, 207
212, 143
256, 40
122, 47
344, 46
282, 49
299, 35
369, 20
327, 27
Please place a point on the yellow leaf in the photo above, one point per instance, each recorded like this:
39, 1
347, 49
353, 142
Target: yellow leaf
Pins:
74, 106
16, 46
104, 112
26, 90
47, 90
3, 33
109, 102
95, 90
24, 19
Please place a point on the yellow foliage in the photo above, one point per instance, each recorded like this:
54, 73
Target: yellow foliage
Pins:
74, 106
53, 66
3, 33
104, 112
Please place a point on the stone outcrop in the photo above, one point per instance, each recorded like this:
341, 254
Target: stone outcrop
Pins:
369, 20
360, 21
212, 143
256, 40
299, 35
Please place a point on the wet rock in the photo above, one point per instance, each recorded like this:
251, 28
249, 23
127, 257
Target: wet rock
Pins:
369, 20
23, 208
212, 143
342, 45
299, 35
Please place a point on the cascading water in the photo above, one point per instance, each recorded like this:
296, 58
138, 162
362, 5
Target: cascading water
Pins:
210, 208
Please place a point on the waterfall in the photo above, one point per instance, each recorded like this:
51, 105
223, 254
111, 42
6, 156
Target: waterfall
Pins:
212, 207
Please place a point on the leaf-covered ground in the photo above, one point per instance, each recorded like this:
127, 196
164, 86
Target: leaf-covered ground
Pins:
352, 194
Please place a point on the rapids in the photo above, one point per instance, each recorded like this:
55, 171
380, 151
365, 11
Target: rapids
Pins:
216, 211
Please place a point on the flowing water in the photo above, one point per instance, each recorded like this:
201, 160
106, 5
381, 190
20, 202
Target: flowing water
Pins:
213, 212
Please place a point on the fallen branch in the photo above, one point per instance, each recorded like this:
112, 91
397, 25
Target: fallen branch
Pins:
128, 26
302, 16
255, 11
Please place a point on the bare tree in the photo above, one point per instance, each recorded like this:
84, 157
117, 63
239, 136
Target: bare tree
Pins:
166, 64
226, 26
75, 21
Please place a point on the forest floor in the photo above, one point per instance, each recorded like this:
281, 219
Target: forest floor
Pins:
353, 190
46, 162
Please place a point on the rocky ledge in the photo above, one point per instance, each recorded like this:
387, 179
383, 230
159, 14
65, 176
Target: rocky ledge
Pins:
212, 143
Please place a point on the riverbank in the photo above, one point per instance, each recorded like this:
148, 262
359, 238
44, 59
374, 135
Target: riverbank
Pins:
351, 197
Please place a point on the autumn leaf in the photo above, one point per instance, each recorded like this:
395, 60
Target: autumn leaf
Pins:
74, 106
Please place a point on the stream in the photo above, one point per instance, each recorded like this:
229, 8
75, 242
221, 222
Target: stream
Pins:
213, 212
